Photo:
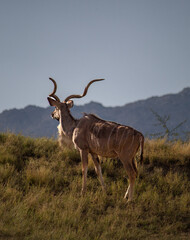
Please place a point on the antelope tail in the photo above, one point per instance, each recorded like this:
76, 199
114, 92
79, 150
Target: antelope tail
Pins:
142, 148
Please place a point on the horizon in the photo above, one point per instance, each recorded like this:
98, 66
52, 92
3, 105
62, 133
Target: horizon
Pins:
91, 101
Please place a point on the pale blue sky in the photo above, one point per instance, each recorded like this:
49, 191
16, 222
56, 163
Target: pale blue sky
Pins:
141, 48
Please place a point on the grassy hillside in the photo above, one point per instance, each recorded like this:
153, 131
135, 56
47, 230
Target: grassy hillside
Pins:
40, 193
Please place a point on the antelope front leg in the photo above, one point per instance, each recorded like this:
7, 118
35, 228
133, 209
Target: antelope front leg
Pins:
84, 159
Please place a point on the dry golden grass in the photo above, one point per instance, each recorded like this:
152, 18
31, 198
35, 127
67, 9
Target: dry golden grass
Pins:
40, 193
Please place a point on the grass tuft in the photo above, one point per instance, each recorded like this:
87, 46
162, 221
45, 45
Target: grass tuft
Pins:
40, 197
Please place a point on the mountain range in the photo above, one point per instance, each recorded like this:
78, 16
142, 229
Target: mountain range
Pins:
147, 116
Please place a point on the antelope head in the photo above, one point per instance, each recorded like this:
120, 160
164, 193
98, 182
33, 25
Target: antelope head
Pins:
65, 105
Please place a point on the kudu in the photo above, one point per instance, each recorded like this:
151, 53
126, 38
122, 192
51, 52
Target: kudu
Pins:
95, 136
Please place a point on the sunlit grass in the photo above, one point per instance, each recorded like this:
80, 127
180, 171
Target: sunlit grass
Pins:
40, 197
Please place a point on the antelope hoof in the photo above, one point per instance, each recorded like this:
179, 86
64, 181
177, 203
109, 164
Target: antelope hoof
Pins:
104, 189
126, 196
83, 191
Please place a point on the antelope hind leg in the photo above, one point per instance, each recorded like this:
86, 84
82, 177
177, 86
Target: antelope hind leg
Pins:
84, 159
98, 170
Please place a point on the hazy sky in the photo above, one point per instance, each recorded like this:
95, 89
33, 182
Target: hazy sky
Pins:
141, 48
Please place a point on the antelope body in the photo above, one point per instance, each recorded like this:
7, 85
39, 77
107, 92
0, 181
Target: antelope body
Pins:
95, 136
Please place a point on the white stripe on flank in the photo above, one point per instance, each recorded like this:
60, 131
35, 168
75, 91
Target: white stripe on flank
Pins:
97, 138
110, 136
94, 137
116, 134
121, 138
126, 137
133, 137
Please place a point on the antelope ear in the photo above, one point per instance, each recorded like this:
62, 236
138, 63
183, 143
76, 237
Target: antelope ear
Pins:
52, 102
70, 104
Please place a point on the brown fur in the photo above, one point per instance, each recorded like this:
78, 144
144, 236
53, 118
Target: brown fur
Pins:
95, 136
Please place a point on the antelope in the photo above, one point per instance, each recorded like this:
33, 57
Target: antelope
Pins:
97, 137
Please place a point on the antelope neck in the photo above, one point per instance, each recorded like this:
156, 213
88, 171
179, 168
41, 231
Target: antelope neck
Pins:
68, 123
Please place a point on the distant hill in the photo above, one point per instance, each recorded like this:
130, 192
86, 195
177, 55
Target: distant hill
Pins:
36, 121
